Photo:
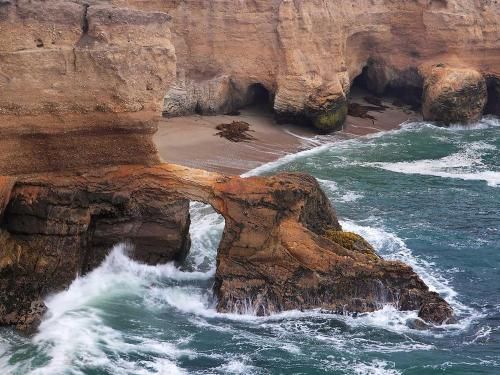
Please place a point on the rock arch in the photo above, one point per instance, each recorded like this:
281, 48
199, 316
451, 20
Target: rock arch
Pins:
282, 246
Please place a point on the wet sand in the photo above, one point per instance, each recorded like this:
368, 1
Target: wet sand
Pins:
192, 140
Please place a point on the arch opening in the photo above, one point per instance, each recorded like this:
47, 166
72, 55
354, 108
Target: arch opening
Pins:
205, 231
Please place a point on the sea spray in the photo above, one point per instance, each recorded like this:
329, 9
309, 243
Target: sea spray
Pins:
130, 318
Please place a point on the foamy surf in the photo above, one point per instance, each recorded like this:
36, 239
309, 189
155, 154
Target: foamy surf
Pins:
466, 164
130, 318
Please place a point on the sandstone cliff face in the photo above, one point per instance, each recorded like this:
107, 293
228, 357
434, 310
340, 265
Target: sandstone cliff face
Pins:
126, 58
87, 69
68, 57
307, 53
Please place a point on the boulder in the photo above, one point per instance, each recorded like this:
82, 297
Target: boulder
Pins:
324, 111
453, 95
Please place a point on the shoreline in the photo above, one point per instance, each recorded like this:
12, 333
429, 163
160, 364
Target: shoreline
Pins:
192, 140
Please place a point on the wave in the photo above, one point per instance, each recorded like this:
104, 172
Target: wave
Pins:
206, 231
391, 247
486, 122
332, 189
467, 164
74, 334
271, 166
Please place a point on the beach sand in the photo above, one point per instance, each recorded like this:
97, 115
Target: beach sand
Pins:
192, 140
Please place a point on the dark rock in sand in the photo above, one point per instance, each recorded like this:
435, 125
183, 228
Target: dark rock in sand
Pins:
361, 111
237, 131
375, 101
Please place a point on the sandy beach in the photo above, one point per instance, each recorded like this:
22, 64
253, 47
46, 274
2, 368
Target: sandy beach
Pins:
192, 140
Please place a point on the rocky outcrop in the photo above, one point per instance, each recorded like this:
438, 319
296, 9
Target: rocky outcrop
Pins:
81, 83
121, 56
282, 246
50, 233
46, 143
302, 50
453, 95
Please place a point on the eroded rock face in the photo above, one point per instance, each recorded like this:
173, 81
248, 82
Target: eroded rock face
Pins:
299, 48
81, 83
282, 246
51, 233
453, 95
68, 56
78, 57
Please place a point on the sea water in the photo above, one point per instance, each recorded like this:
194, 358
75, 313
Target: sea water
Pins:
424, 195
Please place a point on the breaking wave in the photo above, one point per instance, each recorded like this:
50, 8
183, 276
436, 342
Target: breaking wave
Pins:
467, 164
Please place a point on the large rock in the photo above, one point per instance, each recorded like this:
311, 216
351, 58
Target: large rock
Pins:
324, 111
52, 233
81, 83
282, 246
453, 95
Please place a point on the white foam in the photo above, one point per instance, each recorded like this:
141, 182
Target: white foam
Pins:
206, 232
486, 122
332, 188
236, 366
376, 367
392, 247
286, 160
74, 335
467, 164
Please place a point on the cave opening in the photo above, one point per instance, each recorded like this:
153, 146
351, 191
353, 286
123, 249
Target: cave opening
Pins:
361, 81
493, 103
259, 97
405, 89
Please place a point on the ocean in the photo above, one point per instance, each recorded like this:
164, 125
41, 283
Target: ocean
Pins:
425, 195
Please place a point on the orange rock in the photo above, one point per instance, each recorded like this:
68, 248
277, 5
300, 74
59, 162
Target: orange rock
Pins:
453, 95
273, 255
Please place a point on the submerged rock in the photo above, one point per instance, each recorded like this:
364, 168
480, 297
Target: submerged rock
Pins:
454, 95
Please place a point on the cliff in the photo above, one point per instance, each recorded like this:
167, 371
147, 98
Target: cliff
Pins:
82, 84
308, 53
123, 56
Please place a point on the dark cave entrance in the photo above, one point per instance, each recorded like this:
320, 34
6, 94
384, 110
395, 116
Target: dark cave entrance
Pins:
259, 97
361, 82
404, 90
493, 104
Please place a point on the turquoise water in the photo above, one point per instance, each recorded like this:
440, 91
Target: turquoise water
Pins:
425, 195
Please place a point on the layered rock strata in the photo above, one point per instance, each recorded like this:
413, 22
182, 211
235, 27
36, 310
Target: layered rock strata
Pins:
308, 53
282, 246
121, 56
81, 83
